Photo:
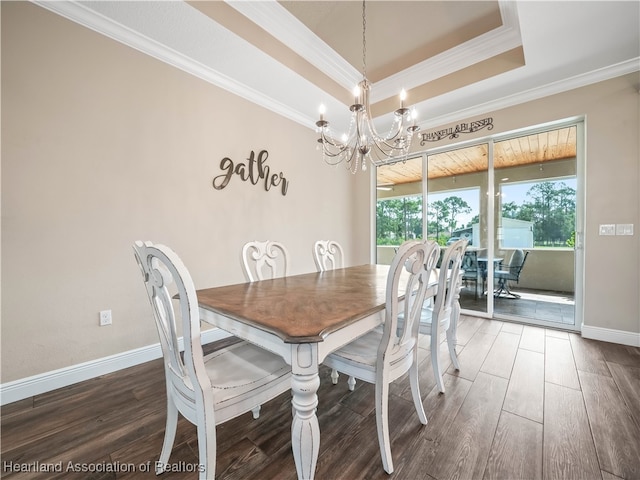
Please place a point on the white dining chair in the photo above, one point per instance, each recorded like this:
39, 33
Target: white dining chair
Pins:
443, 312
206, 390
264, 260
383, 355
328, 255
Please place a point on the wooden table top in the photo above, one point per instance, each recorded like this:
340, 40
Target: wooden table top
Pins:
303, 308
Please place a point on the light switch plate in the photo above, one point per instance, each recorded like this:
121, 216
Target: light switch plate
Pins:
607, 229
624, 229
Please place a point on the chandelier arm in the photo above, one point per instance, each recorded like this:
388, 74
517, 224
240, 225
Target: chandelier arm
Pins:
328, 140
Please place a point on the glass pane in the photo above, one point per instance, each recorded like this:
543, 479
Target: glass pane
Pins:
398, 207
456, 208
535, 205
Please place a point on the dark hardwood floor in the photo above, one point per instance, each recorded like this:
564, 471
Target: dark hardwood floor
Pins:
528, 403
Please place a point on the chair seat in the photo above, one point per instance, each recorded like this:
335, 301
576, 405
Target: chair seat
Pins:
246, 367
362, 352
362, 355
426, 317
243, 368
505, 274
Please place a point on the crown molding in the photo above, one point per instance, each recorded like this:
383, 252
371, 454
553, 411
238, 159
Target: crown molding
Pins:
589, 78
464, 55
282, 25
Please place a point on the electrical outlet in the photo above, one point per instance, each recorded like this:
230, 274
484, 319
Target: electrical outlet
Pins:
624, 229
608, 229
105, 317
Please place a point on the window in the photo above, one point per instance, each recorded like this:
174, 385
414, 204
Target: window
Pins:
398, 220
453, 215
538, 214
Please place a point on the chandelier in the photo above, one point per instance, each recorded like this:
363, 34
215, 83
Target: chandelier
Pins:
362, 143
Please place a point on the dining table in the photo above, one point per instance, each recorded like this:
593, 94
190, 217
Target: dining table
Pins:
302, 318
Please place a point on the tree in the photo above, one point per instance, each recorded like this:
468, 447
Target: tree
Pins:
398, 219
455, 206
552, 210
510, 210
438, 213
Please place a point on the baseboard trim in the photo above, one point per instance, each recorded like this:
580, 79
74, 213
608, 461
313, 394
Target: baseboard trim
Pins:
613, 336
48, 381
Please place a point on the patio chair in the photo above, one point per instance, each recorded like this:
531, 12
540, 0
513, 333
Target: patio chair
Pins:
510, 274
471, 270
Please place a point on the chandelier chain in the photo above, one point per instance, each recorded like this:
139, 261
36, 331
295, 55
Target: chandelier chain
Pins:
364, 41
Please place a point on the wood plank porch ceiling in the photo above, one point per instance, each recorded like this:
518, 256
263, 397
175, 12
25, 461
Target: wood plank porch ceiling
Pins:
537, 148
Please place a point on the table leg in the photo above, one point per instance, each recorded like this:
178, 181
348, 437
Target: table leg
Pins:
305, 432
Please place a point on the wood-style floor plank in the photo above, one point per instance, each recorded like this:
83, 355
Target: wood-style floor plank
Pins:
441, 409
500, 358
609, 476
467, 328
516, 451
464, 449
588, 355
615, 433
628, 381
474, 430
532, 338
559, 365
511, 327
525, 394
569, 452
620, 354
473, 355
491, 327
550, 332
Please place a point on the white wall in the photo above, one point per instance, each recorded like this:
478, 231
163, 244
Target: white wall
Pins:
102, 146
612, 263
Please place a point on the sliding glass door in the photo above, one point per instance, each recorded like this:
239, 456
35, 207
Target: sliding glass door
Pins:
515, 199
457, 209
535, 177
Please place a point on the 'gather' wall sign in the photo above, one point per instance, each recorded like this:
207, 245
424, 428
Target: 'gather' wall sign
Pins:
254, 171
454, 132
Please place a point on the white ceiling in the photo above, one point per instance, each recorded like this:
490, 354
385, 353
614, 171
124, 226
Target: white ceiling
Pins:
287, 68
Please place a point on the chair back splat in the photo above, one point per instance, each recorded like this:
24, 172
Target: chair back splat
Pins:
328, 255
265, 260
206, 390
449, 282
